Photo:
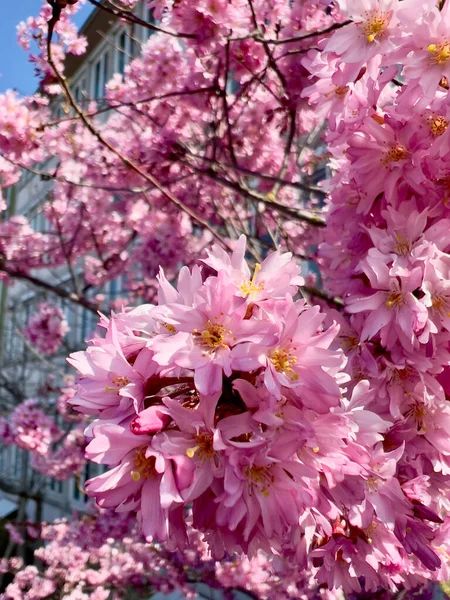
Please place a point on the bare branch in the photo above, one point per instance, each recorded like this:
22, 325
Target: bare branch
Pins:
54, 289
132, 18
316, 293
125, 160
308, 36
291, 212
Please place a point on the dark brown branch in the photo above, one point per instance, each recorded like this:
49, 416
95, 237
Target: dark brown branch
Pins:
133, 104
283, 182
316, 293
293, 213
307, 36
125, 160
226, 112
54, 289
132, 18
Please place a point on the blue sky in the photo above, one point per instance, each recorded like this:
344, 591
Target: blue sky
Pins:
16, 71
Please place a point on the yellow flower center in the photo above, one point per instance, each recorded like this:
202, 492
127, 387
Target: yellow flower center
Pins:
394, 300
372, 484
340, 91
119, 382
395, 154
370, 531
349, 342
204, 449
402, 245
419, 412
145, 467
283, 361
250, 287
400, 376
440, 52
212, 336
260, 477
438, 125
441, 304
375, 25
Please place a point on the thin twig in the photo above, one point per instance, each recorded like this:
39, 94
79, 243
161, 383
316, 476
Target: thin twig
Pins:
132, 18
124, 159
307, 36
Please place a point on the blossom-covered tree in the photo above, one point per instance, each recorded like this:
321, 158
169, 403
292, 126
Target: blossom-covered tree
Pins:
301, 415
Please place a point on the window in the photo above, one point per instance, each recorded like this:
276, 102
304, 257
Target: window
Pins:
56, 486
101, 75
80, 92
76, 490
126, 49
98, 79
78, 485
18, 462
122, 53
115, 288
88, 324
150, 19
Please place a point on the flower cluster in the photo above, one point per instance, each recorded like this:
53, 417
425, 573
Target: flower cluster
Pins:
103, 556
66, 459
382, 81
30, 428
214, 118
228, 396
319, 436
46, 328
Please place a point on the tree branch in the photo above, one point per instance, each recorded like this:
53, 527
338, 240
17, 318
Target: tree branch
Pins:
308, 36
54, 289
125, 160
132, 18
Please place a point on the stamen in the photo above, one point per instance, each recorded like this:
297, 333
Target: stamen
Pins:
250, 287
119, 382
204, 448
372, 484
145, 467
394, 300
440, 303
402, 246
440, 52
261, 477
438, 125
212, 336
395, 154
375, 25
340, 91
283, 361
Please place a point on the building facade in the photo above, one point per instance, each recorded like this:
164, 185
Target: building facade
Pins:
112, 44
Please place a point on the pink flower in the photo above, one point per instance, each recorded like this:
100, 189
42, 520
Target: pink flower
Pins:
426, 52
47, 328
296, 360
373, 31
207, 332
276, 276
142, 480
109, 385
394, 311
